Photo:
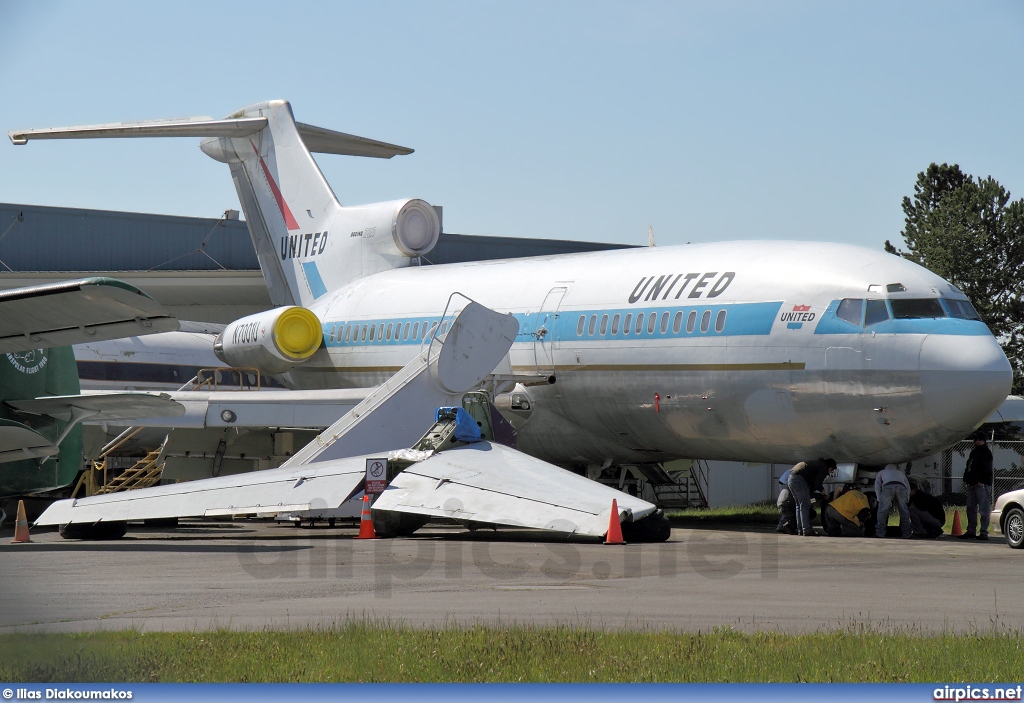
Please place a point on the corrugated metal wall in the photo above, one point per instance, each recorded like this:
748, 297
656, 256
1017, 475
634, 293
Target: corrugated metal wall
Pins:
42, 238
37, 238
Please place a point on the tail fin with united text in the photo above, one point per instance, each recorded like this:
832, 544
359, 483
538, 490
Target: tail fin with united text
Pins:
308, 243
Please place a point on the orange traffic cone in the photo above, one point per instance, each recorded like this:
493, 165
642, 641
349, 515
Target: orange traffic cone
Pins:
21, 525
366, 530
957, 530
614, 535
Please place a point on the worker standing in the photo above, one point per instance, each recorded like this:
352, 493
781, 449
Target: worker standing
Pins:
978, 480
891, 485
805, 478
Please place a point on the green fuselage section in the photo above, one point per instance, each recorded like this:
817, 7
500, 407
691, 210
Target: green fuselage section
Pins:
34, 374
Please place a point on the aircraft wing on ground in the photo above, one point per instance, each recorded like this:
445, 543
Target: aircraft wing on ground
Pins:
19, 442
72, 312
325, 485
491, 483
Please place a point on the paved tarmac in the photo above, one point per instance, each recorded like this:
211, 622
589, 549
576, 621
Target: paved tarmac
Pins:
252, 575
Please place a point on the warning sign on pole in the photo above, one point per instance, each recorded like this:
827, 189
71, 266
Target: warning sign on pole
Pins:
376, 476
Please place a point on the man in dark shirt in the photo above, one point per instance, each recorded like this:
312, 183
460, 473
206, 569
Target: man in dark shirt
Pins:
805, 478
978, 481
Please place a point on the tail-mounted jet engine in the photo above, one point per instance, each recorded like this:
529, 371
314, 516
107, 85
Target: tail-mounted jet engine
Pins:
273, 341
405, 228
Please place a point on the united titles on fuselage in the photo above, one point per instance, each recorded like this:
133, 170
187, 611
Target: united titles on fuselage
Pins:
800, 313
704, 285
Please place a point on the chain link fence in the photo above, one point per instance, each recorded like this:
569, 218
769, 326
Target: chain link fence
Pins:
944, 471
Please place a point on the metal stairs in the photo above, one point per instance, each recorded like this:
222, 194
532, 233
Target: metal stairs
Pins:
144, 473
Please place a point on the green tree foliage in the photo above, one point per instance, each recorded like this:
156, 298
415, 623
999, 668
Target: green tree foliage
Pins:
969, 232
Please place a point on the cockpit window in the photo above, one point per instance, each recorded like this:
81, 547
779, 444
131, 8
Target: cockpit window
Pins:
912, 308
875, 312
895, 288
962, 309
851, 310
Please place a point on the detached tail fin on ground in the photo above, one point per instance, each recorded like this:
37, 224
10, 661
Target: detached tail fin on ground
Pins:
307, 243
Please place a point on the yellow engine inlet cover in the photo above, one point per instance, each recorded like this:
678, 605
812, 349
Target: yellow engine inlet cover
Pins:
297, 333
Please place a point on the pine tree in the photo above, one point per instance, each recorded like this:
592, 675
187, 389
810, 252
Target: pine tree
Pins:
969, 232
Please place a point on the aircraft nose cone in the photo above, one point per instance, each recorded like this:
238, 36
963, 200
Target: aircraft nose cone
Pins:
963, 379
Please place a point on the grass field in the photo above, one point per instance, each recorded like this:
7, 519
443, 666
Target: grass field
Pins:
382, 653
758, 513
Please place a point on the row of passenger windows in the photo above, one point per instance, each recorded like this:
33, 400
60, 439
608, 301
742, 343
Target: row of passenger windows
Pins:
341, 332
629, 325
870, 312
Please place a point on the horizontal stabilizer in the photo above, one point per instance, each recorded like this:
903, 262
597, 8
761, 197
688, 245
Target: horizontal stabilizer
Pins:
19, 442
326, 141
102, 407
316, 139
187, 127
75, 312
326, 485
491, 483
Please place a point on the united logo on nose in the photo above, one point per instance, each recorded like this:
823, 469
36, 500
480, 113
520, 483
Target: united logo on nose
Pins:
795, 320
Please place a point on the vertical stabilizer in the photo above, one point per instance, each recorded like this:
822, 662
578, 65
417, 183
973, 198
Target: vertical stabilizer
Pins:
307, 243
288, 205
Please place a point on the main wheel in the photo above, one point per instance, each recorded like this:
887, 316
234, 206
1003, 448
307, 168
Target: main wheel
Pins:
653, 528
391, 523
1013, 528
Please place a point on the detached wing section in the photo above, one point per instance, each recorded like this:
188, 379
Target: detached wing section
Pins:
324, 486
73, 312
485, 482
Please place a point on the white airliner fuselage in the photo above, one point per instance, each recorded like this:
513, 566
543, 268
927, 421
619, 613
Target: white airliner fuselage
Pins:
721, 351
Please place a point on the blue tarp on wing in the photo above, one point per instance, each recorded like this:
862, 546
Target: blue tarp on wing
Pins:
466, 429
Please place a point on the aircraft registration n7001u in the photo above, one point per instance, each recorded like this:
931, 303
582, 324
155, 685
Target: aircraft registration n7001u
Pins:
757, 351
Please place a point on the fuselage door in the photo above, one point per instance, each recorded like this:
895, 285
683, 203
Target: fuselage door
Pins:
544, 335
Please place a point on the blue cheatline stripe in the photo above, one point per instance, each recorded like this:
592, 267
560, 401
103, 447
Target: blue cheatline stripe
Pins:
509, 693
830, 324
316, 284
738, 319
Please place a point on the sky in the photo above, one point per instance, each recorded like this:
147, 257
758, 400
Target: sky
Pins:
710, 121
